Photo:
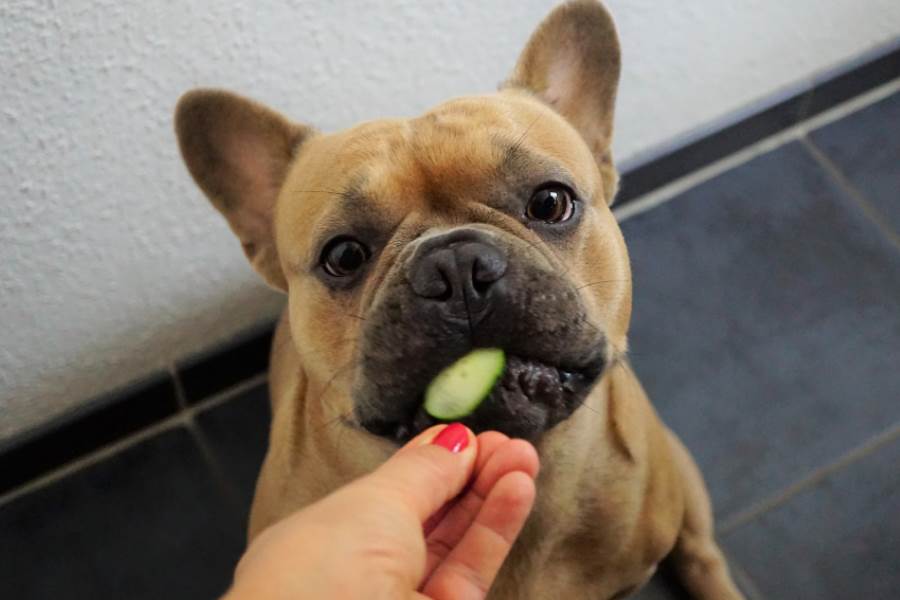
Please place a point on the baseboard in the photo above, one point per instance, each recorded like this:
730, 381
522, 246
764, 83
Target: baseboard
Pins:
724, 137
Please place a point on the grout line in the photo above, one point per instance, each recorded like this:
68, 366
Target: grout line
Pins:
783, 496
795, 132
207, 455
96, 456
835, 172
805, 103
743, 580
183, 418
850, 106
227, 394
669, 191
180, 396
219, 471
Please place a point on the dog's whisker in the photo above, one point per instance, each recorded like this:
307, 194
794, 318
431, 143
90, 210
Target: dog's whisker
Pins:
521, 139
337, 373
337, 344
534, 246
583, 402
602, 281
343, 430
335, 420
332, 192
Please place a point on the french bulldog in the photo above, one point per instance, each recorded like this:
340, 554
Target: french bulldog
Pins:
402, 244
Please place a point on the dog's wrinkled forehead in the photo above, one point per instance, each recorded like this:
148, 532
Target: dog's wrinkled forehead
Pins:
465, 152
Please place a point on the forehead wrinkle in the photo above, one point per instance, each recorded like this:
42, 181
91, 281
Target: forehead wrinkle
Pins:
453, 166
348, 207
524, 163
353, 196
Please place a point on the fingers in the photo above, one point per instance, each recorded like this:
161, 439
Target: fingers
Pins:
470, 568
506, 456
470, 543
514, 455
423, 476
488, 442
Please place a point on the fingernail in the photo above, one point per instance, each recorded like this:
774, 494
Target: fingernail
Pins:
454, 437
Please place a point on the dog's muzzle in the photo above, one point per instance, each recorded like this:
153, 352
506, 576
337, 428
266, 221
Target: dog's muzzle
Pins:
468, 288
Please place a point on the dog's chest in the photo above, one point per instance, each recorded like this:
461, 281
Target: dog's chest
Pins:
599, 554
570, 571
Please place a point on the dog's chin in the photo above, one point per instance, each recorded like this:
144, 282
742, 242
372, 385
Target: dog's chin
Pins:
530, 398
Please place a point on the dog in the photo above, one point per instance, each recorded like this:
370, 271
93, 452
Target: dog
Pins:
485, 222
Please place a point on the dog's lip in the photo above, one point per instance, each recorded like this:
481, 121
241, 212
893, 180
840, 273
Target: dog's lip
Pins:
573, 380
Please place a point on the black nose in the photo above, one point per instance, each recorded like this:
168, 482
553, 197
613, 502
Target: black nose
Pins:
459, 270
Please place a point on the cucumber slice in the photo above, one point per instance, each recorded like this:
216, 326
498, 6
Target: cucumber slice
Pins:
458, 390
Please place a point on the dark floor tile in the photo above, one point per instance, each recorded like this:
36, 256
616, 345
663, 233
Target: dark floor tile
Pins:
840, 539
766, 323
238, 432
86, 429
661, 588
866, 148
211, 373
665, 586
148, 522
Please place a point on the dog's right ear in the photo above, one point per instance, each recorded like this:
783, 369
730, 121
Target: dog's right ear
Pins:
572, 62
239, 152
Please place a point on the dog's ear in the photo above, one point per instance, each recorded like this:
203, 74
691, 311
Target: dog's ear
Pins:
238, 152
572, 62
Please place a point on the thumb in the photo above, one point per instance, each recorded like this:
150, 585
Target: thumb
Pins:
430, 470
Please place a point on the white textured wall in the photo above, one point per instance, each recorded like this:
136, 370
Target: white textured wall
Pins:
112, 264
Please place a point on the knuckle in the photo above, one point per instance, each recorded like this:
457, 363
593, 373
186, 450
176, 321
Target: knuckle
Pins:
439, 547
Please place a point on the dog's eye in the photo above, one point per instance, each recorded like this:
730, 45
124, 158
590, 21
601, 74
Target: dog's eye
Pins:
343, 256
551, 204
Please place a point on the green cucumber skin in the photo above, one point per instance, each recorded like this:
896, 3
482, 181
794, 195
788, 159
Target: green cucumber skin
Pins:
436, 403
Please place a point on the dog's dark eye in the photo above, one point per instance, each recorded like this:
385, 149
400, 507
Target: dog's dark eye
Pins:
551, 204
343, 256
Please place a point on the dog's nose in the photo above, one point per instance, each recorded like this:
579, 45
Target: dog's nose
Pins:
459, 270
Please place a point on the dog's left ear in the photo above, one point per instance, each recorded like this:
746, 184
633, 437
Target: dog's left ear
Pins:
572, 62
239, 152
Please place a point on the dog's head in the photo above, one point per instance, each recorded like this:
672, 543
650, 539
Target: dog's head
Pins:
403, 244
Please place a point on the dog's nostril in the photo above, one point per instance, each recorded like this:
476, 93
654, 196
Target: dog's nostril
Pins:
437, 287
482, 277
481, 287
488, 266
446, 288
432, 277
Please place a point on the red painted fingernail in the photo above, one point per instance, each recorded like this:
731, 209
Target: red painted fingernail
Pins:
454, 437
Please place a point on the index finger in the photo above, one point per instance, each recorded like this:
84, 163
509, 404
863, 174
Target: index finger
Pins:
423, 477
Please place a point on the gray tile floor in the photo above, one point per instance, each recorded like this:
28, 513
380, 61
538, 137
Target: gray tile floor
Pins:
766, 330
149, 522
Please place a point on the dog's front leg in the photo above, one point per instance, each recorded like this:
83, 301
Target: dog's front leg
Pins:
697, 558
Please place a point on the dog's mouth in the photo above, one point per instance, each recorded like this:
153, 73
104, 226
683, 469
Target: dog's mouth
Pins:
530, 397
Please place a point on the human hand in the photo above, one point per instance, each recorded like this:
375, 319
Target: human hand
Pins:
405, 530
